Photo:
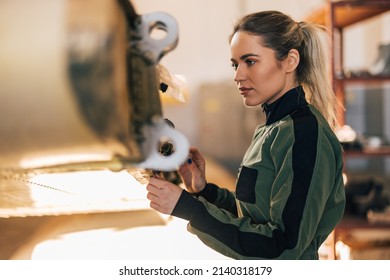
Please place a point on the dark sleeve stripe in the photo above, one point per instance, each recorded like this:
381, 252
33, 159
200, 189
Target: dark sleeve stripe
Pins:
304, 159
253, 244
210, 192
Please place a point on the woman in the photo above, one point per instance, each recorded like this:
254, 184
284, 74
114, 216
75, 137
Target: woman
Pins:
289, 192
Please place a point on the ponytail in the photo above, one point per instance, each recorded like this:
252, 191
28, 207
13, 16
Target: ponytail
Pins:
314, 73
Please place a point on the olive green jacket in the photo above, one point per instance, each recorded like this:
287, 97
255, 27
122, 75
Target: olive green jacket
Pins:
289, 192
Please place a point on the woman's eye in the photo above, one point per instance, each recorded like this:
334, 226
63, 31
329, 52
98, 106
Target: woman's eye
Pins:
250, 62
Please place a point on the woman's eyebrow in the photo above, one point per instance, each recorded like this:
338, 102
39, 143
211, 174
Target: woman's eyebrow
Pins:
247, 55
244, 56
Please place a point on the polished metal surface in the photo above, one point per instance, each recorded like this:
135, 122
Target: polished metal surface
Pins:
79, 88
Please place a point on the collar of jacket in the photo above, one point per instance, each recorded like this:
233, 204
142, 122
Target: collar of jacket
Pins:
285, 105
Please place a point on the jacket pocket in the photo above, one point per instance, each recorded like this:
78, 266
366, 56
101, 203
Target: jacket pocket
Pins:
246, 185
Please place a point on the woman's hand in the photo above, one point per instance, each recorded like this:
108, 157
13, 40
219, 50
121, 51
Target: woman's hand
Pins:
163, 195
193, 172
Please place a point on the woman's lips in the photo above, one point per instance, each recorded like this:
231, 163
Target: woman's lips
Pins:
244, 90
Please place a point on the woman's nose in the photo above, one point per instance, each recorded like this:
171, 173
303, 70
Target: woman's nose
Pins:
239, 75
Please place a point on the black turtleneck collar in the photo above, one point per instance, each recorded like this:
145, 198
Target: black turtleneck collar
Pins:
285, 105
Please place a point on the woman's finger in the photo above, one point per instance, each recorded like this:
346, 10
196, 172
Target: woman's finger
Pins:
152, 188
151, 196
154, 205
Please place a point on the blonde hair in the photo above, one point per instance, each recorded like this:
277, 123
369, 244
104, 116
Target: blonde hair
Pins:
281, 33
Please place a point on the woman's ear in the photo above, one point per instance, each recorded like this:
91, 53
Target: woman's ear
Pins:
292, 60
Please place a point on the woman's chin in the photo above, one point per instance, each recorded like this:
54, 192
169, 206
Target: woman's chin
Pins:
250, 103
